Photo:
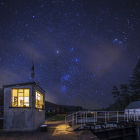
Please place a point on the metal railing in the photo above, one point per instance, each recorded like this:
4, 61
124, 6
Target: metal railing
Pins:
81, 118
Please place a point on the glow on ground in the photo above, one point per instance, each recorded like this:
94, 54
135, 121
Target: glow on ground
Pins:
62, 129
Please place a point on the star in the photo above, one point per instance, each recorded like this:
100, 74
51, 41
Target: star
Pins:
71, 49
116, 41
76, 60
63, 88
66, 77
57, 51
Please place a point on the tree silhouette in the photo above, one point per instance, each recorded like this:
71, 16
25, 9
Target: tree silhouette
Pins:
115, 92
128, 93
135, 83
124, 95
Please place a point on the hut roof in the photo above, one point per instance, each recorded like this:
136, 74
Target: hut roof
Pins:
134, 105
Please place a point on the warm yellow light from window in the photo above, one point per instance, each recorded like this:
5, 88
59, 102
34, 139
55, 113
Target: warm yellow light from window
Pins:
20, 98
39, 100
62, 129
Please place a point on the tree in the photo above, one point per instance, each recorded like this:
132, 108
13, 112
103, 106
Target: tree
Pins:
135, 83
128, 93
115, 92
124, 95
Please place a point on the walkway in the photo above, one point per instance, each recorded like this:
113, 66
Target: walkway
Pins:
56, 131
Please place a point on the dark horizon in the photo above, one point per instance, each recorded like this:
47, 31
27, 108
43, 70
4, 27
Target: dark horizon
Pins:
80, 48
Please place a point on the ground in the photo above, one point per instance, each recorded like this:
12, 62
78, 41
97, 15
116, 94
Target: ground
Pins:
57, 130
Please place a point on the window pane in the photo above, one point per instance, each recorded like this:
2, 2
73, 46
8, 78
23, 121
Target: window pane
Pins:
20, 90
20, 98
20, 101
26, 97
26, 92
26, 101
14, 98
14, 91
20, 94
39, 100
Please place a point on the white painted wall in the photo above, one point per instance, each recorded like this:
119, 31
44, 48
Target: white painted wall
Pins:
22, 119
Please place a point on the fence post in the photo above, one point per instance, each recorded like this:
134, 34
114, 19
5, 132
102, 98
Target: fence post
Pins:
81, 119
134, 115
76, 119
65, 122
86, 116
72, 120
127, 115
108, 116
117, 117
96, 117
137, 116
105, 116
124, 116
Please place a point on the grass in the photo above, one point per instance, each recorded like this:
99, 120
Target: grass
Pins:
58, 117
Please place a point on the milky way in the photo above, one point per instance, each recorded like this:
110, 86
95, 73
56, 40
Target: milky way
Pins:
80, 48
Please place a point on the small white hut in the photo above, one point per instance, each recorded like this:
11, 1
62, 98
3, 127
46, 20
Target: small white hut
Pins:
23, 106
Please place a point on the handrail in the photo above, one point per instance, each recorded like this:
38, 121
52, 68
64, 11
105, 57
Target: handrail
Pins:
84, 117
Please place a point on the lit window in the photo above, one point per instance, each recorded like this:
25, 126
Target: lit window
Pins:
20, 98
39, 100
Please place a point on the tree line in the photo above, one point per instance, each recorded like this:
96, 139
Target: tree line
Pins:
127, 93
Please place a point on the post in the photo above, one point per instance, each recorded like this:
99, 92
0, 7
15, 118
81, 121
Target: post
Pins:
86, 116
76, 118
124, 116
127, 115
117, 117
65, 122
137, 118
81, 119
72, 120
105, 116
108, 116
134, 115
94, 117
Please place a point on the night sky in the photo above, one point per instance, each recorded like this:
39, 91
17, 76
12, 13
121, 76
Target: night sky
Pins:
80, 48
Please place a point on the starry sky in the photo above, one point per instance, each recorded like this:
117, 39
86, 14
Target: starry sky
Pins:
80, 48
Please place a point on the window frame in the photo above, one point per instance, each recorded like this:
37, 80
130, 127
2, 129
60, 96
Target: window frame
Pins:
18, 97
40, 108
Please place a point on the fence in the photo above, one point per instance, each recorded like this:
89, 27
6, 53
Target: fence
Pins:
82, 118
